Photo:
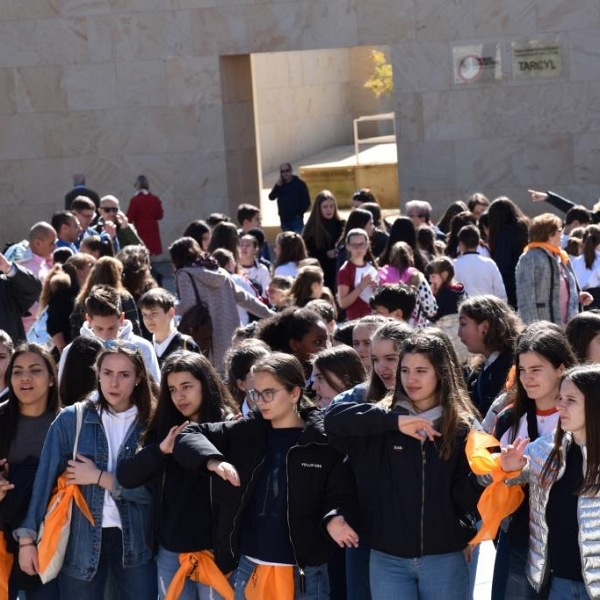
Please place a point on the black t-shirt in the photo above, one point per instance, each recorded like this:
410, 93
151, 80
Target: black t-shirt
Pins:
265, 534
561, 516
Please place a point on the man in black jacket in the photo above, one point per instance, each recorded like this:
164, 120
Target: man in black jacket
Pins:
293, 199
19, 289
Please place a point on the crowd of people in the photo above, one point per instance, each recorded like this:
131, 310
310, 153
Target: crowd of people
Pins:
295, 426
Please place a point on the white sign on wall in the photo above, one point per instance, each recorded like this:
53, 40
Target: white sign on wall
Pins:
536, 58
478, 62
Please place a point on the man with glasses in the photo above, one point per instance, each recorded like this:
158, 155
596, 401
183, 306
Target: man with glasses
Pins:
83, 208
110, 212
293, 199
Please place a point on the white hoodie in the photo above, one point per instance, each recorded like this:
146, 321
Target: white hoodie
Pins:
126, 334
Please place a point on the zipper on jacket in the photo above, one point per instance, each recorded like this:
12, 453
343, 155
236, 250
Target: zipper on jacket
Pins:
423, 463
239, 510
301, 573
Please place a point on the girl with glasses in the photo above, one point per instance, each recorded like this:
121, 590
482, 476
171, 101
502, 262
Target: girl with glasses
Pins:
113, 549
191, 392
282, 492
358, 276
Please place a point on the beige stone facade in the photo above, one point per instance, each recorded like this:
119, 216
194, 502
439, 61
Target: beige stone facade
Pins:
115, 88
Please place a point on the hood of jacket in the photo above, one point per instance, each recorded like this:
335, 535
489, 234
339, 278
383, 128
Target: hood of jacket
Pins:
125, 331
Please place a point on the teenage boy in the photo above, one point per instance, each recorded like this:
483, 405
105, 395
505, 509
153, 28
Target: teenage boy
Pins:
158, 310
105, 319
248, 216
257, 273
394, 300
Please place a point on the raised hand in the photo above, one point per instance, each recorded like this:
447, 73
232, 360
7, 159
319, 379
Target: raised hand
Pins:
417, 427
511, 457
166, 446
538, 196
341, 533
224, 470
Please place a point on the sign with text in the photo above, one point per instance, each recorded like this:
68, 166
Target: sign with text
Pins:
479, 62
536, 58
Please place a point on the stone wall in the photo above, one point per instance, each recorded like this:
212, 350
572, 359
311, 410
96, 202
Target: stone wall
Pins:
119, 87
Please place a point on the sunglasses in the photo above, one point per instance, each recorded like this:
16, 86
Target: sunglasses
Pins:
109, 209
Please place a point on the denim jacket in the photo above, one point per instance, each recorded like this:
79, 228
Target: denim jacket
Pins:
83, 550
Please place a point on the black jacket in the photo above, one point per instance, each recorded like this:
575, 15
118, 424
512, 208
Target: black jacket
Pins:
320, 483
181, 514
293, 198
483, 392
17, 293
412, 502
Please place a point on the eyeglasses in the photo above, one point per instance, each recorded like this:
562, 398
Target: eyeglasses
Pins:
266, 395
116, 344
109, 209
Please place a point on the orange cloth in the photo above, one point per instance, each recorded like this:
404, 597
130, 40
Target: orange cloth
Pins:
270, 582
498, 499
6, 563
564, 257
56, 520
199, 567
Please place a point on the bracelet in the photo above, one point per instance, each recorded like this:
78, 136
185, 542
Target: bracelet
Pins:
27, 544
99, 477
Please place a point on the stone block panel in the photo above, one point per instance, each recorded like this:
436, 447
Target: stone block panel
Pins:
426, 165
421, 67
558, 15
40, 89
92, 86
141, 83
437, 20
385, 21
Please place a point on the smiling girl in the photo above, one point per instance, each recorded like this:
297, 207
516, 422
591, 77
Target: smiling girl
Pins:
358, 276
416, 491
542, 354
563, 476
282, 491
191, 392
114, 547
33, 403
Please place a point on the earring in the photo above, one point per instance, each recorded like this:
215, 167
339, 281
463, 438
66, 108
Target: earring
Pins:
295, 405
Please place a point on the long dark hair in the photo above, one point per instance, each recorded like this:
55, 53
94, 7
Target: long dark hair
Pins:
78, 375
402, 230
292, 248
9, 412
344, 362
290, 324
451, 391
587, 380
548, 341
502, 213
144, 394
591, 239
315, 229
216, 404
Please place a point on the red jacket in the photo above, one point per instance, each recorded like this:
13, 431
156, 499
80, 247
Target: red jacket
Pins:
145, 211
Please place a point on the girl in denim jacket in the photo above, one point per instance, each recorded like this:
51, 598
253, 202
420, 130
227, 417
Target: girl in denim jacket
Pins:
111, 428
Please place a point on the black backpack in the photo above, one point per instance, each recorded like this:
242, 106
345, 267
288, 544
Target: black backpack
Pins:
197, 322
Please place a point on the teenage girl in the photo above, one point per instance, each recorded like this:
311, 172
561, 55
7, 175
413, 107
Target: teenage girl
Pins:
308, 285
563, 476
297, 331
489, 327
191, 392
114, 548
33, 403
289, 251
361, 337
358, 276
583, 333
541, 356
335, 370
286, 493
416, 491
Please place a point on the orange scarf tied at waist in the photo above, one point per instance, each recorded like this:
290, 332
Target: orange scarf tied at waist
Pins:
57, 517
498, 499
270, 582
6, 564
564, 257
200, 567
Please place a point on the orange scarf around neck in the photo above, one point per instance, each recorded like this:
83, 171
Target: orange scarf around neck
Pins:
564, 257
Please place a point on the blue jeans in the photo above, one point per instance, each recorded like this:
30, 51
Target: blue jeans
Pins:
167, 565
296, 224
357, 573
49, 591
567, 589
517, 584
134, 583
317, 581
430, 577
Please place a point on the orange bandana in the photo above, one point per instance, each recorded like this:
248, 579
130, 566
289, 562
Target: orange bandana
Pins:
564, 257
498, 499
270, 582
199, 567
6, 563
